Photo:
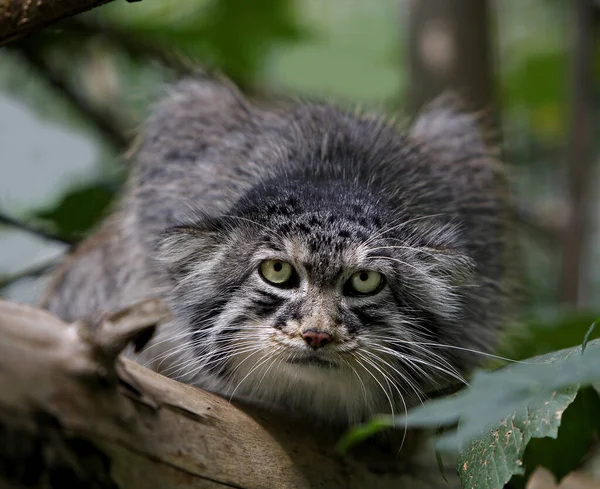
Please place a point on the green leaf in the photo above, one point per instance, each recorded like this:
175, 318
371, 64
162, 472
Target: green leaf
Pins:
440, 464
503, 410
364, 431
499, 394
587, 336
79, 210
544, 334
491, 460
537, 82
528, 397
579, 427
538, 85
232, 36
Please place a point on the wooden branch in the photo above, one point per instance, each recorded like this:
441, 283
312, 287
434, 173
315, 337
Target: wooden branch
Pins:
135, 46
32, 271
19, 18
7, 220
73, 413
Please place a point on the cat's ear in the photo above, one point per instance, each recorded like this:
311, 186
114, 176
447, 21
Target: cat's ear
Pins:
182, 249
445, 126
195, 113
202, 99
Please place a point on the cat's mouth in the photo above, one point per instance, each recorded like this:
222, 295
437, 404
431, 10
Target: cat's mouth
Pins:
312, 360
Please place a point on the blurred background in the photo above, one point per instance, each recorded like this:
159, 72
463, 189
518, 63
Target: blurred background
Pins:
73, 95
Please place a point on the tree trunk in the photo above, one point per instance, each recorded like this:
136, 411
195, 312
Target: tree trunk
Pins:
580, 154
75, 414
449, 49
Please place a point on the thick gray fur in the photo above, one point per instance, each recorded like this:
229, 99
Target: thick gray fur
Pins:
219, 184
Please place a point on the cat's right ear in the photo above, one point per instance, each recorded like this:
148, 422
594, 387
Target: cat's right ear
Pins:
195, 112
182, 249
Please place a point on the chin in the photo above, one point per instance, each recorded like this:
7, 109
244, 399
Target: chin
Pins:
313, 386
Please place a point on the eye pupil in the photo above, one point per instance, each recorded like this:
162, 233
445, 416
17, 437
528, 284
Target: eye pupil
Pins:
277, 266
364, 276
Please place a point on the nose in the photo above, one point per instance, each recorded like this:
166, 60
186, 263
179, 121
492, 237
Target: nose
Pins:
316, 339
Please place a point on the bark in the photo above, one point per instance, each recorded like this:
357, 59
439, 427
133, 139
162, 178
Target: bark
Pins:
580, 154
450, 49
19, 18
73, 413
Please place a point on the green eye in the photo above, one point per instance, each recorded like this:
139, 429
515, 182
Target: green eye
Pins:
277, 272
365, 282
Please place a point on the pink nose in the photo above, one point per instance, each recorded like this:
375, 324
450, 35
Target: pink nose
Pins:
316, 339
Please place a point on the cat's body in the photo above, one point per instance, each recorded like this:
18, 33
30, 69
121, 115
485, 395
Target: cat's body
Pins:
225, 197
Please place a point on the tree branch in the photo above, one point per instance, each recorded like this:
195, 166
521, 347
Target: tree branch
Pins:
109, 126
33, 271
17, 224
20, 18
135, 47
72, 411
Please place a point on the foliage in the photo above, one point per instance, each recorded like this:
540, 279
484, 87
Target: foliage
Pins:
492, 458
579, 427
231, 36
500, 424
79, 210
548, 332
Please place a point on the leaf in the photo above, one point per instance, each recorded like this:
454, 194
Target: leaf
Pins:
538, 85
364, 431
491, 460
500, 413
79, 210
232, 36
550, 334
587, 335
579, 427
528, 397
497, 395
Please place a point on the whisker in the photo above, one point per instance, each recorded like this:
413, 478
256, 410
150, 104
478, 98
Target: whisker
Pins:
405, 421
357, 354
394, 227
276, 357
406, 264
470, 350
404, 376
267, 228
385, 376
364, 389
260, 362
451, 372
